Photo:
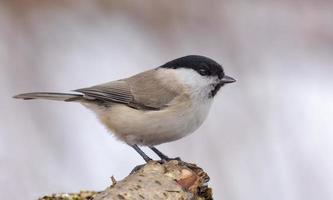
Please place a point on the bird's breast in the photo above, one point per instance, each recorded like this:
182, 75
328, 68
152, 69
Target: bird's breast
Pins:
154, 127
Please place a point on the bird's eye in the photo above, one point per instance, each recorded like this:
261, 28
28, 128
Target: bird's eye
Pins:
203, 72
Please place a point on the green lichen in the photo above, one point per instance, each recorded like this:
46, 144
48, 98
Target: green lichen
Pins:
83, 195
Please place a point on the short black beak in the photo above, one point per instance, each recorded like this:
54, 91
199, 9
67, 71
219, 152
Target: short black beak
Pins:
227, 79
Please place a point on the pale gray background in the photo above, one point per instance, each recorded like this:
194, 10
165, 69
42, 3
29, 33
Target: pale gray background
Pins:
268, 137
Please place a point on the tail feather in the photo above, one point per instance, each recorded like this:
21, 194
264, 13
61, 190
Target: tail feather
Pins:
49, 96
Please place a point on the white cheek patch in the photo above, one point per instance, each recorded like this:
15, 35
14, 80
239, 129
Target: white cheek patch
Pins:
193, 79
198, 83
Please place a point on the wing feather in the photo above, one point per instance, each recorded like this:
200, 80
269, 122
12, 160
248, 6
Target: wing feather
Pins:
142, 91
115, 91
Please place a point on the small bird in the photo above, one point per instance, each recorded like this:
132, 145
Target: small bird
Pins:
153, 107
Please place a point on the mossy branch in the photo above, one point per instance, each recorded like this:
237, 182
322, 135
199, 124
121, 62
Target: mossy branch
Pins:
155, 180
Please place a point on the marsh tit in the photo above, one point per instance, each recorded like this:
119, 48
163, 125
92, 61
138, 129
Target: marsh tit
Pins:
153, 107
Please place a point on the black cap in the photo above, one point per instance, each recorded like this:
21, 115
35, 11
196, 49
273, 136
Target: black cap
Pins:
201, 64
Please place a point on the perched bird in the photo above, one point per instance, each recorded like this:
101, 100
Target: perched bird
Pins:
153, 107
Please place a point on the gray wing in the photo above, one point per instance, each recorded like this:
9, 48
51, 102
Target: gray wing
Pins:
115, 91
142, 91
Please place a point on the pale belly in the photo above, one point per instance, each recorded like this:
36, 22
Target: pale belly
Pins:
153, 127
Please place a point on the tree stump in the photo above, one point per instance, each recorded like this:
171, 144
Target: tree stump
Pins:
155, 180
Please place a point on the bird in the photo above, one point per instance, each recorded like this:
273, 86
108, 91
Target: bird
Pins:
156, 106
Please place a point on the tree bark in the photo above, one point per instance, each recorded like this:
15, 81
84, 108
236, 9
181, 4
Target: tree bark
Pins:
155, 180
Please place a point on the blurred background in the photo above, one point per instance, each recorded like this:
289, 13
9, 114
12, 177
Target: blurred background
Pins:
268, 137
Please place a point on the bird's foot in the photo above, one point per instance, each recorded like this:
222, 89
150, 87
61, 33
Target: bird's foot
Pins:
167, 159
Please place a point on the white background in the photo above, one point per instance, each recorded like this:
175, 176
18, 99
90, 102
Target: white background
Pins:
268, 136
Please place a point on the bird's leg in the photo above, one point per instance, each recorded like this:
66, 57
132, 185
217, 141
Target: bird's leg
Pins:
160, 154
142, 154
